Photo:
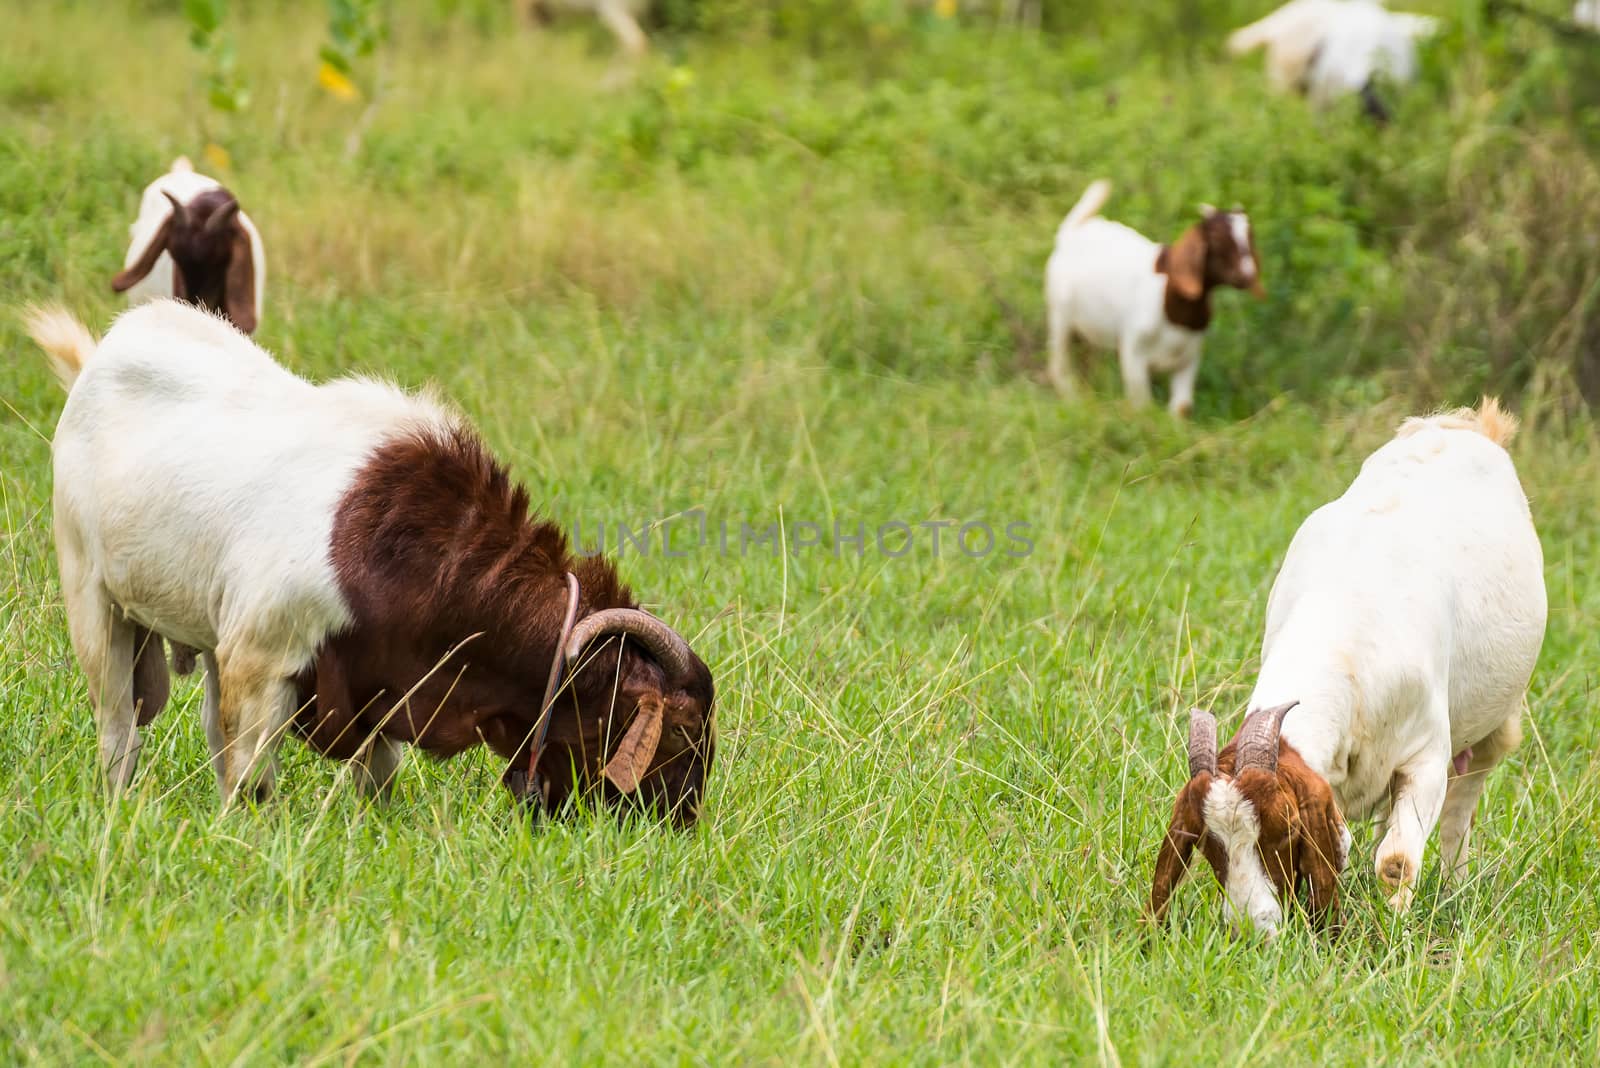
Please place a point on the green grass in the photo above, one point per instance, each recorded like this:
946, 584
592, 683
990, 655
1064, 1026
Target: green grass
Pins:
767, 291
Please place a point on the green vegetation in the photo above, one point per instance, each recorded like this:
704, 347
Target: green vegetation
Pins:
790, 272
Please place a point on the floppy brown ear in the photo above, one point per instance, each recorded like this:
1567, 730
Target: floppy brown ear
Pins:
1319, 849
638, 747
132, 275
239, 285
1186, 264
1172, 862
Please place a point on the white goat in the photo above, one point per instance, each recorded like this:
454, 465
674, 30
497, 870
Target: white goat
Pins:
1118, 289
1401, 633
221, 265
1333, 48
1586, 13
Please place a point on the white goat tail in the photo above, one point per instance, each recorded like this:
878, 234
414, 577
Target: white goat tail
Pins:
1490, 420
1088, 206
65, 341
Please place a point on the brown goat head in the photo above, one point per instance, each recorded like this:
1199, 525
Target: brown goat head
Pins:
660, 696
458, 599
211, 257
1265, 822
1219, 250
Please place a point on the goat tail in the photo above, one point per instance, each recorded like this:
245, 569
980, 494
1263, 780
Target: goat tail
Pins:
1490, 420
66, 342
1293, 18
1088, 206
1494, 422
181, 164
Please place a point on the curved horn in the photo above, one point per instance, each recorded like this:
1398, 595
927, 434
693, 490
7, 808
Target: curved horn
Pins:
221, 217
180, 214
1258, 739
664, 643
1202, 742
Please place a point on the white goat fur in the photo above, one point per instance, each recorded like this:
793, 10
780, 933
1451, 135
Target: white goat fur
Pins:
1332, 48
1406, 620
1586, 13
1101, 284
196, 483
184, 183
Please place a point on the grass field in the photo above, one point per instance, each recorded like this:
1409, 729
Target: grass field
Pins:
790, 286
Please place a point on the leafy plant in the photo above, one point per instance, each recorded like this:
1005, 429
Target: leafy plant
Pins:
225, 91
355, 29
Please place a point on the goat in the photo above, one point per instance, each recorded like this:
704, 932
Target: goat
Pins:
1326, 49
191, 241
1401, 633
620, 16
1586, 13
1152, 303
355, 566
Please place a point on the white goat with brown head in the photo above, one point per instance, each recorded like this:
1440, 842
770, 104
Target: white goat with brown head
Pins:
1401, 633
191, 241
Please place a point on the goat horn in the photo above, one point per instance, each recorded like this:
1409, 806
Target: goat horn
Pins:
1258, 738
664, 643
180, 214
1202, 742
222, 216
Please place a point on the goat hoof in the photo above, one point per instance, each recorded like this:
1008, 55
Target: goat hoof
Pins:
1399, 873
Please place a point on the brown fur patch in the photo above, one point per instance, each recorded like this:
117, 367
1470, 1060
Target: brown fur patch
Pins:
434, 548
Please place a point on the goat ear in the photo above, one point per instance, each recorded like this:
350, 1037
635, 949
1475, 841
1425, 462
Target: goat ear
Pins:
239, 284
1172, 862
135, 272
1186, 264
1320, 846
638, 747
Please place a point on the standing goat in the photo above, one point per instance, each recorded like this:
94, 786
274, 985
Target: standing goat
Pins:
1401, 633
351, 552
191, 241
1329, 49
1118, 289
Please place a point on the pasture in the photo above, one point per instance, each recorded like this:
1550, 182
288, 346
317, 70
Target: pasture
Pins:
788, 280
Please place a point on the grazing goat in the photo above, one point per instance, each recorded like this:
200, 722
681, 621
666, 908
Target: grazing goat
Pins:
351, 552
1116, 288
1401, 633
1328, 49
191, 241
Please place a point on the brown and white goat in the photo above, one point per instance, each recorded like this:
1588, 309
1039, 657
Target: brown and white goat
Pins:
191, 241
1401, 633
353, 564
1117, 289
